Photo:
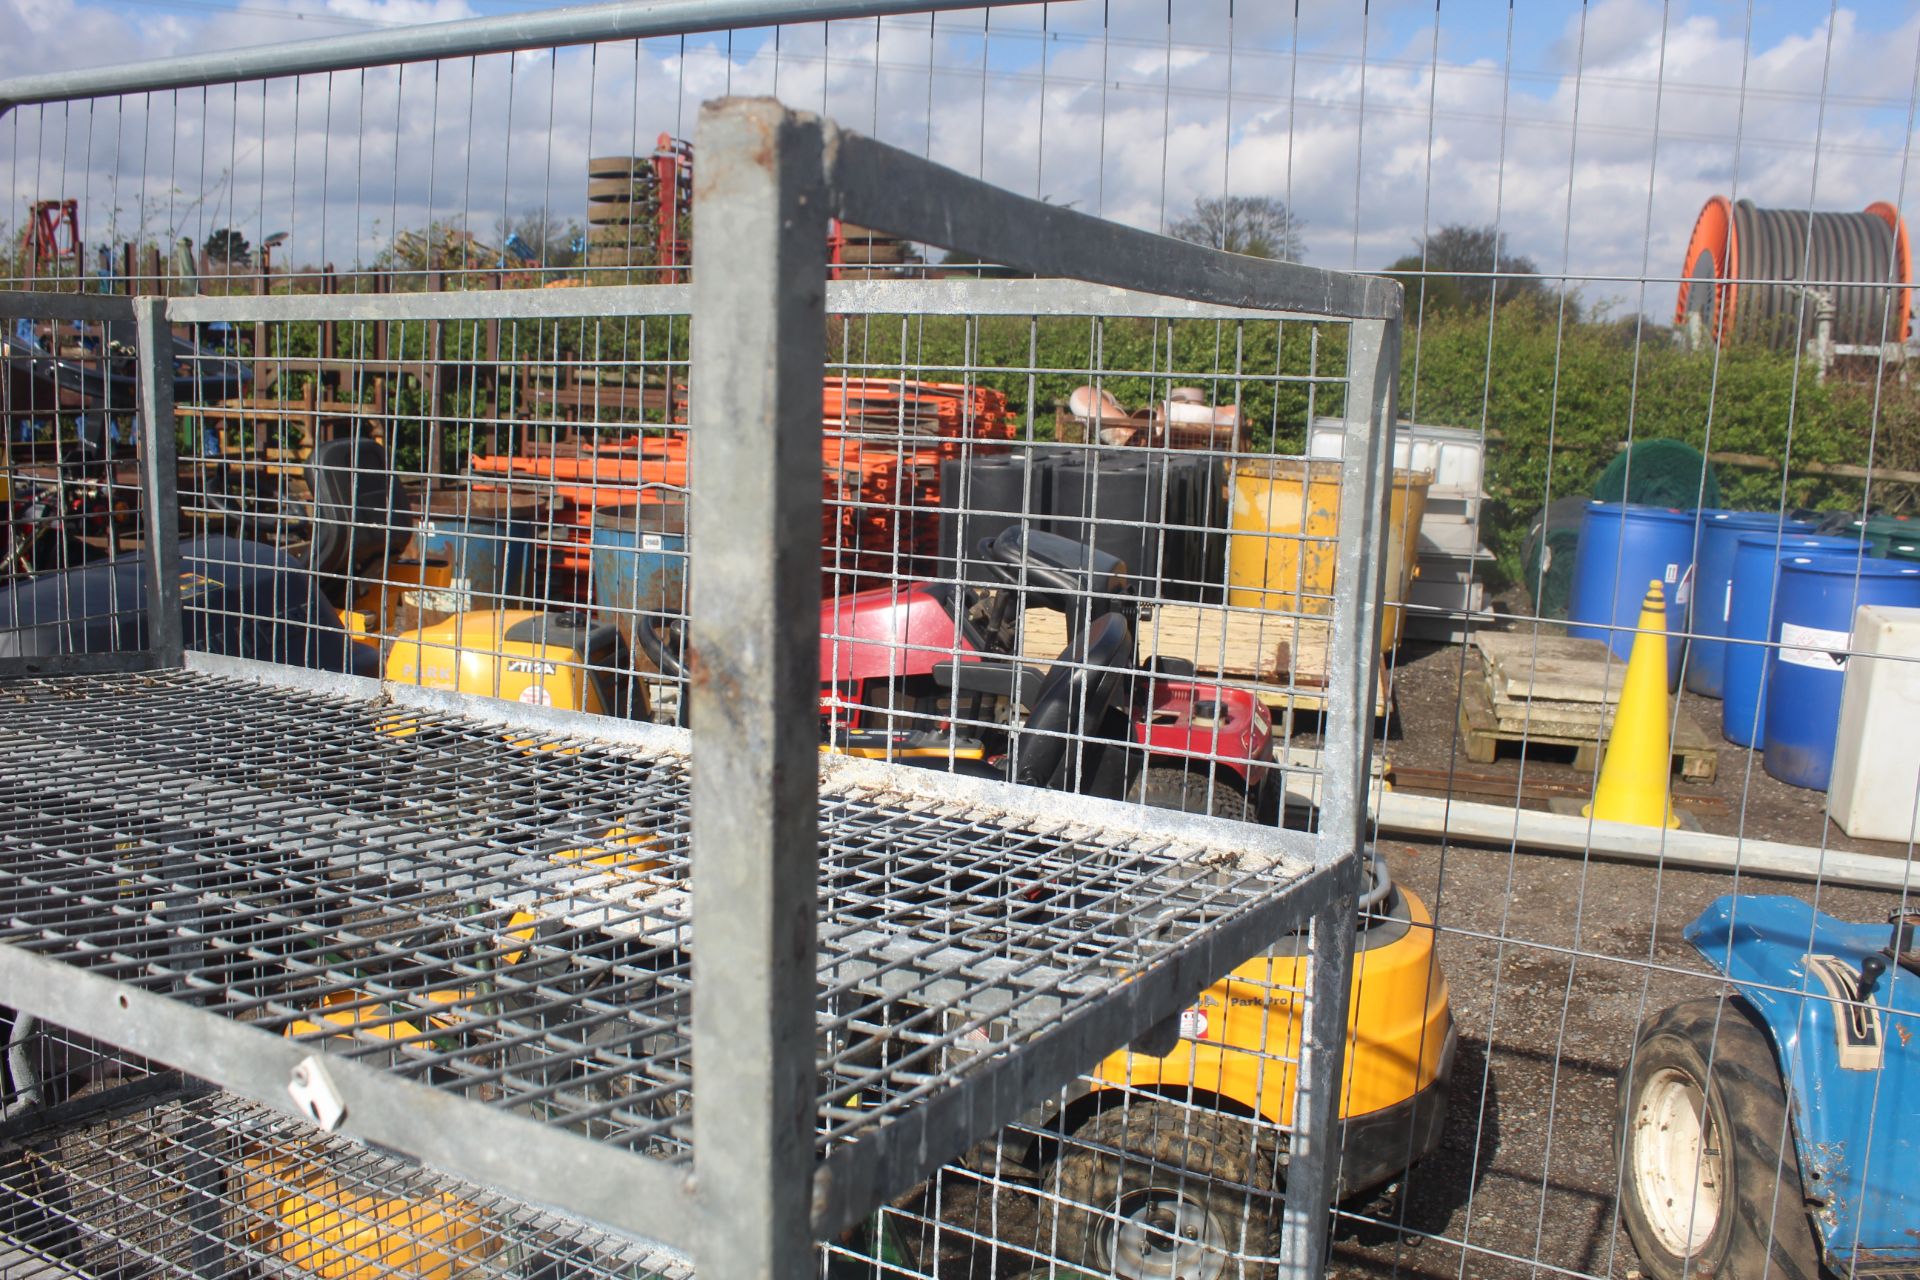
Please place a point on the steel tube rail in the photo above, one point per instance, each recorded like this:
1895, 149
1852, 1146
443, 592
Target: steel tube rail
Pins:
941, 205
503, 33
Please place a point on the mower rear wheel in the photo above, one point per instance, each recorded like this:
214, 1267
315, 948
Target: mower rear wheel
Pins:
1158, 1191
1712, 1182
1189, 789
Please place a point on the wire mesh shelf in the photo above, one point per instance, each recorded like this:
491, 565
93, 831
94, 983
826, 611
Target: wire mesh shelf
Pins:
504, 915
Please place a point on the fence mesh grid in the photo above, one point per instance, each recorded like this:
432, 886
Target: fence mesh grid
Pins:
1652, 254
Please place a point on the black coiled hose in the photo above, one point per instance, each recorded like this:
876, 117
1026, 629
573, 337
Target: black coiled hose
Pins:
1782, 246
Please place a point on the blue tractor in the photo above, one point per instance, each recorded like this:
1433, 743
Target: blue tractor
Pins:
1771, 1132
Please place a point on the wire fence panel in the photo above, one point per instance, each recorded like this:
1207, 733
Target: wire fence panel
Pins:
410, 822
1627, 997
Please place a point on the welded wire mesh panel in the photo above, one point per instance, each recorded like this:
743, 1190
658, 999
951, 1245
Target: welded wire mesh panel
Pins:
1140, 1170
444, 489
990, 497
410, 517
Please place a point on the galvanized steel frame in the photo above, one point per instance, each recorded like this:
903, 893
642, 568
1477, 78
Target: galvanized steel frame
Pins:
769, 180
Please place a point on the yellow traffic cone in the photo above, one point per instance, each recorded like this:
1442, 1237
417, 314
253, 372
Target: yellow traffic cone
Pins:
1633, 777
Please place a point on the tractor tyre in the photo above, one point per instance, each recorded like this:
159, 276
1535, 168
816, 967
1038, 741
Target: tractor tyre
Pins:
1711, 1178
1186, 788
1157, 1189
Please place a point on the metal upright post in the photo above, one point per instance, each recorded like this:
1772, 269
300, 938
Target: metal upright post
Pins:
759, 333
1360, 565
159, 480
1373, 355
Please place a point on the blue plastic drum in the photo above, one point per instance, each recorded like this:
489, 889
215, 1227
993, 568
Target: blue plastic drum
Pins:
1806, 674
1756, 566
488, 539
1713, 588
640, 560
1624, 546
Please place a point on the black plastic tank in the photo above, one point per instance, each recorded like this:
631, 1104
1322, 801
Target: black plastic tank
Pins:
983, 497
1135, 506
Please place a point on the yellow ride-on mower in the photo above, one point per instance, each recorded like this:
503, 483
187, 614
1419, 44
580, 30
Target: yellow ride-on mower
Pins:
1164, 1162
363, 520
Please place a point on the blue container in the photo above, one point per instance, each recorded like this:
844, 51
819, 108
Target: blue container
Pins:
1623, 547
1805, 675
1713, 588
489, 540
1756, 567
640, 560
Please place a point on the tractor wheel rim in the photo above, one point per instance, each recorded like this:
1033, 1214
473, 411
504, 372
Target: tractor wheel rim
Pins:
1679, 1170
1162, 1234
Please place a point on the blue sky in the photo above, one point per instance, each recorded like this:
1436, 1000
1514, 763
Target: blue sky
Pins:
1593, 144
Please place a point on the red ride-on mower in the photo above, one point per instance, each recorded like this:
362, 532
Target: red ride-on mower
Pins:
930, 670
934, 656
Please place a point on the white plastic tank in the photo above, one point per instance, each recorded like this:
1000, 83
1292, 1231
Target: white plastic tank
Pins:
1876, 775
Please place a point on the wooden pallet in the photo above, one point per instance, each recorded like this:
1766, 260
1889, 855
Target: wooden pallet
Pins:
1281, 660
1521, 665
1483, 728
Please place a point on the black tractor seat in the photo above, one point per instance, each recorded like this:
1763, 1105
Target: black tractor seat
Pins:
1052, 572
361, 515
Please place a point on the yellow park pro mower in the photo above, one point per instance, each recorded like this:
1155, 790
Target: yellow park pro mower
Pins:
1173, 1164
362, 520
1235, 1059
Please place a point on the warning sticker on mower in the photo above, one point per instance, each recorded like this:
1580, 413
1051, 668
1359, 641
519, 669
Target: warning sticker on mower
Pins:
1815, 647
1193, 1024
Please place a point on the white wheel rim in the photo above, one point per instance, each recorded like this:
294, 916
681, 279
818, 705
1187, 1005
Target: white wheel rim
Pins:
1162, 1234
1679, 1171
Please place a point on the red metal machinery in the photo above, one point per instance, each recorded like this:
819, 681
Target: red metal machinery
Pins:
673, 199
53, 233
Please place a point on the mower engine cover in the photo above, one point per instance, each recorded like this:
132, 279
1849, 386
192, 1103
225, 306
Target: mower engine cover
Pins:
238, 598
1840, 1009
562, 660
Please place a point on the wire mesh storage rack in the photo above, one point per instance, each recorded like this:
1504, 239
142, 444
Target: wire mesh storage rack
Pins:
474, 932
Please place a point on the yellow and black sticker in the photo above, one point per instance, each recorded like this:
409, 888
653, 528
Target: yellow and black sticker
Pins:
195, 585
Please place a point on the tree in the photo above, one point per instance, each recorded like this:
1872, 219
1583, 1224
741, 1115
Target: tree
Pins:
229, 247
1450, 268
1258, 226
